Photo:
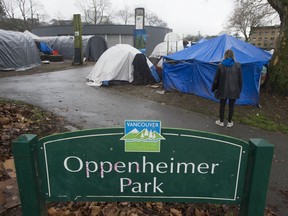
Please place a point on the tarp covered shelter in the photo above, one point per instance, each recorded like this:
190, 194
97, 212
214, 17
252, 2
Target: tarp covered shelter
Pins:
172, 37
28, 33
202, 40
18, 51
116, 63
42, 46
166, 47
171, 44
192, 70
93, 46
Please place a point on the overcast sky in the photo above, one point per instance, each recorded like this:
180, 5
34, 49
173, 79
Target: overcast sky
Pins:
184, 16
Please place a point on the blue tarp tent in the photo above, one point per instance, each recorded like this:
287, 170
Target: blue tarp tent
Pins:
202, 40
192, 70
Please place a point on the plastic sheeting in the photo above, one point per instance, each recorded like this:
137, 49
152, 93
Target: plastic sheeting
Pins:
35, 37
93, 46
202, 40
18, 51
166, 47
44, 48
115, 64
172, 37
171, 44
193, 69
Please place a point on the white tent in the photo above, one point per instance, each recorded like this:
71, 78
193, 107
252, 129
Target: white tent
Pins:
166, 48
171, 44
114, 64
171, 37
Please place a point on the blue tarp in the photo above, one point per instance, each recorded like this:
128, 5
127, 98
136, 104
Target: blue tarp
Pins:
192, 70
202, 40
44, 48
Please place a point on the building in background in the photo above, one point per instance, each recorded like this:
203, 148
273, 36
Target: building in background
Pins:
113, 34
265, 37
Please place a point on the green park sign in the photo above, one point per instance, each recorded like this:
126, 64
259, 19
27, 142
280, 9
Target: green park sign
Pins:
142, 162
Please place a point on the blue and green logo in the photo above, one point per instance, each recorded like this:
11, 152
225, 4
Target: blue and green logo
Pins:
142, 136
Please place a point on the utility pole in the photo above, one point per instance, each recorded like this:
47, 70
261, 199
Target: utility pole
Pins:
78, 54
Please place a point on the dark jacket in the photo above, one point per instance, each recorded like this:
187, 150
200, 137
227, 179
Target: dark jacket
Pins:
227, 82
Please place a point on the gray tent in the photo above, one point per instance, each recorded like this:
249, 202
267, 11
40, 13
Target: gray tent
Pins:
93, 46
18, 51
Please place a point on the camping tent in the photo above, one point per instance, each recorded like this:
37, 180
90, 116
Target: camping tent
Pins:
192, 70
93, 46
18, 51
171, 44
116, 63
171, 37
166, 47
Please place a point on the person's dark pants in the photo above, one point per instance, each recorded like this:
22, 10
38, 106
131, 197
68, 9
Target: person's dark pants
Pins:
222, 109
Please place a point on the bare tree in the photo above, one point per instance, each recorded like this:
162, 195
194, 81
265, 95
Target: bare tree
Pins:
248, 14
12, 21
152, 19
27, 10
10, 8
24, 9
95, 11
278, 69
34, 8
58, 19
125, 15
2, 10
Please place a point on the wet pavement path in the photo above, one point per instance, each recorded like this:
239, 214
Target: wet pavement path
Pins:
66, 94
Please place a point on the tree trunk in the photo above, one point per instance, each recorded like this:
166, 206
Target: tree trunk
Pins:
278, 68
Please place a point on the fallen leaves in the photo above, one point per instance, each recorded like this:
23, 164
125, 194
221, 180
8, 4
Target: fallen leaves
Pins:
20, 118
9, 196
139, 209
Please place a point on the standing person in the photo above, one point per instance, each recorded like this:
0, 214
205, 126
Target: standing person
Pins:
227, 85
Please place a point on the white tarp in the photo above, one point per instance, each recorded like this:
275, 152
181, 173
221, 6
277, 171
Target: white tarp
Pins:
172, 37
18, 51
170, 44
114, 64
28, 33
166, 48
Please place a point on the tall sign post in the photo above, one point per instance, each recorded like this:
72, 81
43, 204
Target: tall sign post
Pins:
78, 53
139, 31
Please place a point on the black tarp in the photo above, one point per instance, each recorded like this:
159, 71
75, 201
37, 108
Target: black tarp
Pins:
95, 47
142, 73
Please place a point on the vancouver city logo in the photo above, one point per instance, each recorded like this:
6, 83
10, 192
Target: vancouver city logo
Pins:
142, 136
